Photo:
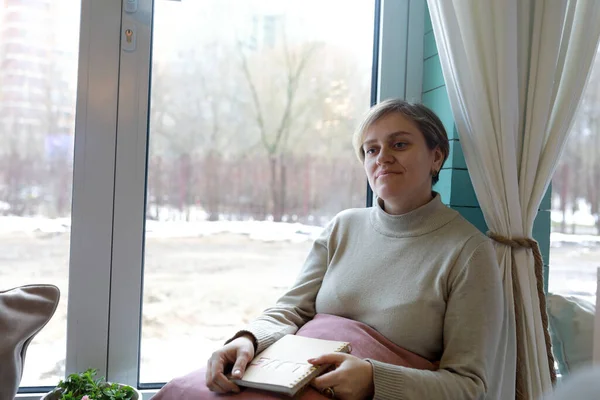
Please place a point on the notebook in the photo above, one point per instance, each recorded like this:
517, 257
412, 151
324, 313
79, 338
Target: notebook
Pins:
283, 366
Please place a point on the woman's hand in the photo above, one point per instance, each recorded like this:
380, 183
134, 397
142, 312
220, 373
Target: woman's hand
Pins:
351, 379
238, 352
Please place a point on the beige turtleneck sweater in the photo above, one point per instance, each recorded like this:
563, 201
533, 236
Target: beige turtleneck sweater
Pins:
428, 280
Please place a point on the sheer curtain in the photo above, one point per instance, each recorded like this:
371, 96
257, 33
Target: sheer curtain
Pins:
515, 71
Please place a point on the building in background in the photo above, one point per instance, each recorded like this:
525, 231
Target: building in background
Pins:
38, 77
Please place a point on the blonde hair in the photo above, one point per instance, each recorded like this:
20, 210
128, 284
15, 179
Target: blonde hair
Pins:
428, 123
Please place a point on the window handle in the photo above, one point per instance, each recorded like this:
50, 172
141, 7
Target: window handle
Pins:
131, 6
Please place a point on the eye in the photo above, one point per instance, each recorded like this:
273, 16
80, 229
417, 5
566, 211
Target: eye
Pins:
370, 151
400, 145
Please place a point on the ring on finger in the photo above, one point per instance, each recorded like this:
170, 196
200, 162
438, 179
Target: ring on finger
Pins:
329, 392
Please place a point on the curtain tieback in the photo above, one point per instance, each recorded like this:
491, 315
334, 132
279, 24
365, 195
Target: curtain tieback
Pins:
528, 244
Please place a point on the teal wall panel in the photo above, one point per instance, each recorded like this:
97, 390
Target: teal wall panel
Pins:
541, 233
456, 158
474, 216
456, 188
437, 100
432, 69
463, 194
428, 26
546, 203
430, 48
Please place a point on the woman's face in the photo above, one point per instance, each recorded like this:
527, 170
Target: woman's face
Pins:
399, 164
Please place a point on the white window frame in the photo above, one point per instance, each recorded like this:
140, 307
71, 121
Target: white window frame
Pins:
109, 187
130, 198
93, 186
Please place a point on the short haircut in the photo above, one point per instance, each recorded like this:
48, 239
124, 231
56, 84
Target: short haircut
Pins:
428, 123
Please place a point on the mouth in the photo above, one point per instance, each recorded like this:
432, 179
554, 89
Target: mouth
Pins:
385, 173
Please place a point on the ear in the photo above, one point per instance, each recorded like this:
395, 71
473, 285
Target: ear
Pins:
438, 158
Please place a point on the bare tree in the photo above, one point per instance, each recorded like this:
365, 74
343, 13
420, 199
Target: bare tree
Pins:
577, 177
567, 181
269, 134
191, 122
276, 78
591, 152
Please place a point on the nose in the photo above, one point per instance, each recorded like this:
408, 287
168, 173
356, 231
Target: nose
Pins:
384, 157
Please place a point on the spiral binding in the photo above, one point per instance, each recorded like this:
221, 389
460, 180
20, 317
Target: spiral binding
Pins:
313, 368
303, 376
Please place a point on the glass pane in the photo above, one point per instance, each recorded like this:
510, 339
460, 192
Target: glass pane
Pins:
253, 106
575, 238
38, 79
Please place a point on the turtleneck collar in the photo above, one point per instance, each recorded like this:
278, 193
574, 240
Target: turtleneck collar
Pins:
422, 220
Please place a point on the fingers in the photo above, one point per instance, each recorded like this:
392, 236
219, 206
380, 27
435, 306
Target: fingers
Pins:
211, 370
241, 352
334, 377
216, 381
242, 360
225, 384
220, 384
331, 358
329, 379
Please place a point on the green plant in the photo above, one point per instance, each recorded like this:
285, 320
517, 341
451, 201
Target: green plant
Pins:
84, 386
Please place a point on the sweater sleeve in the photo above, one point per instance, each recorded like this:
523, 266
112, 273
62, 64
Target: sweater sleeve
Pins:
297, 305
472, 323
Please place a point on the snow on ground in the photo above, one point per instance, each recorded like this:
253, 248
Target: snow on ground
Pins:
583, 216
557, 239
12, 224
267, 231
258, 230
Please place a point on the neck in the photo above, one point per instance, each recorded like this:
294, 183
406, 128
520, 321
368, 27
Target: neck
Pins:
419, 221
403, 206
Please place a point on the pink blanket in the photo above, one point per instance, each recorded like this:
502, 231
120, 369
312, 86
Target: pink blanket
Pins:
366, 343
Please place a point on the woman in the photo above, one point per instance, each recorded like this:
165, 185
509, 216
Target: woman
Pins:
410, 267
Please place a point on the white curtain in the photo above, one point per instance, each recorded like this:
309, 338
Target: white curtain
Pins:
515, 71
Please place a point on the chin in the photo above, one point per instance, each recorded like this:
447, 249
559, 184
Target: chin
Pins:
387, 195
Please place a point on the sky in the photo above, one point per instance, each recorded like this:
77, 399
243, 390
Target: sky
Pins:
183, 24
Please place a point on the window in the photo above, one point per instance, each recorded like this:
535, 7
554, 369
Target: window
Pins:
36, 172
575, 239
249, 156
